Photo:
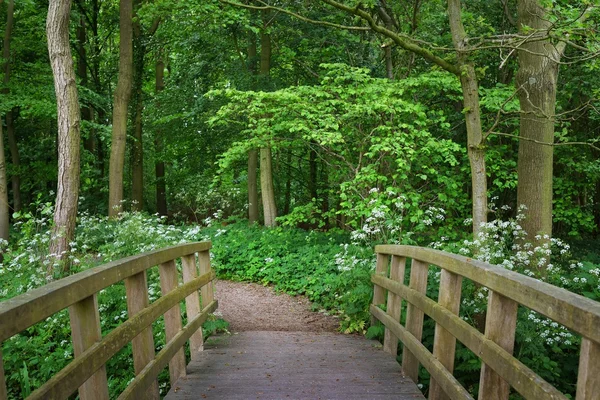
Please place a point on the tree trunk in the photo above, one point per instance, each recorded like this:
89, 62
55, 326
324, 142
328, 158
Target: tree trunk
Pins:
266, 170
536, 82
68, 116
4, 209
121, 103
475, 145
312, 172
137, 151
266, 186
10, 126
159, 164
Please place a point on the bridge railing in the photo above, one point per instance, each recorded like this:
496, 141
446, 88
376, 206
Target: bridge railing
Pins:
79, 292
500, 370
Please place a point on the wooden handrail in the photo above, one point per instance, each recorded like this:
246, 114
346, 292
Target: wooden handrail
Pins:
500, 370
79, 293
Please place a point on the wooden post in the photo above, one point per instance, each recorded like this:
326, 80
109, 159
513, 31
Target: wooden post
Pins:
85, 332
394, 304
192, 304
378, 291
444, 343
414, 318
3, 393
168, 282
136, 287
500, 325
207, 291
588, 380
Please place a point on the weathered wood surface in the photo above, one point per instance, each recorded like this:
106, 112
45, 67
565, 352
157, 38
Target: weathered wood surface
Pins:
19, 313
569, 309
293, 365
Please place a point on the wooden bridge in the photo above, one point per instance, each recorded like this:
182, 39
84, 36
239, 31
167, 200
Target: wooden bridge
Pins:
269, 365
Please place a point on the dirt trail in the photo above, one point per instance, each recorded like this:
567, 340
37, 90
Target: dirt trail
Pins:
252, 307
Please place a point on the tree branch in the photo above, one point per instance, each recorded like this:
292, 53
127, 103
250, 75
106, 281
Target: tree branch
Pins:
295, 15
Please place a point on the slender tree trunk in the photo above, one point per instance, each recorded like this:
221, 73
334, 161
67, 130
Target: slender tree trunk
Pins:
137, 151
475, 145
252, 154
10, 124
266, 170
68, 116
121, 103
159, 164
536, 85
4, 209
266, 184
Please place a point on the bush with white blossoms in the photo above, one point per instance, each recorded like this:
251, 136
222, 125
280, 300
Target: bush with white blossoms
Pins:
394, 218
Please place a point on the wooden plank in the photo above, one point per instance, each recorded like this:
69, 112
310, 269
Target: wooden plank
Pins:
394, 304
67, 380
3, 393
137, 387
588, 381
500, 326
444, 343
85, 332
207, 292
293, 365
576, 312
414, 318
20, 312
192, 303
169, 282
381, 268
136, 287
413, 345
523, 379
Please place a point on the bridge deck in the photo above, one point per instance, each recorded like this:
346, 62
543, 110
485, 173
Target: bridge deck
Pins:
293, 365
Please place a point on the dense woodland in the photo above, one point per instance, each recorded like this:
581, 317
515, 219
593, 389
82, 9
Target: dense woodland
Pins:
295, 135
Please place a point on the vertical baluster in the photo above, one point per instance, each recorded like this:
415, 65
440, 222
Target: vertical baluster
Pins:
378, 292
85, 332
500, 325
444, 343
414, 317
588, 380
192, 304
394, 304
168, 282
3, 393
136, 287
207, 291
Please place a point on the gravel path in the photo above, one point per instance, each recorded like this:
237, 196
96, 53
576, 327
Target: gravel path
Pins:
252, 307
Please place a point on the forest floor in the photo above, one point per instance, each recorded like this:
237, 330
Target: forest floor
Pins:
252, 307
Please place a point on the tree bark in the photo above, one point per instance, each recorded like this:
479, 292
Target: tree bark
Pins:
475, 145
121, 103
266, 185
10, 125
68, 116
159, 164
536, 84
266, 169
